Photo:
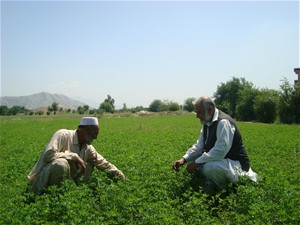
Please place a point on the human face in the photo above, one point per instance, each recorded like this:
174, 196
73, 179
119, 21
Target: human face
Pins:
202, 114
92, 134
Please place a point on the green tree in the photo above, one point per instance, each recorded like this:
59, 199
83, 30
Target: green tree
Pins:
106, 107
289, 102
50, 109
265, 105
54, 106
227, 94
156, 105
110, 100
14, 110
86, 108
188, 104
92, 111
80, 110
3, 110
173, 106
124, 108
137, 109
244, 107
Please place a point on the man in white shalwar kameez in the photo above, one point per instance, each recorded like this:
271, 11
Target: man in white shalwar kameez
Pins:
219, 153
68, 155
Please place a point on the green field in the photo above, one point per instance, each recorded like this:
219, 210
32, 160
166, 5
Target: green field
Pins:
144, 148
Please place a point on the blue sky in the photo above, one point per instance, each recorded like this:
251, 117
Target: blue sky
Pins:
138, 51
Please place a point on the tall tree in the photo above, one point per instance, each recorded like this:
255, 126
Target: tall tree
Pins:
244, 107
289, 102
189, 104
108, 105
226, 96
54, 106
110, 100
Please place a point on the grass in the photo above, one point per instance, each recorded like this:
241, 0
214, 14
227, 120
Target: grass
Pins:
144, 148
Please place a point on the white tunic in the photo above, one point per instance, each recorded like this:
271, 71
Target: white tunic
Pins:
64, 145
220, 169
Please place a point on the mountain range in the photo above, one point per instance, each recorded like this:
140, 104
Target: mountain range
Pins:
39, 100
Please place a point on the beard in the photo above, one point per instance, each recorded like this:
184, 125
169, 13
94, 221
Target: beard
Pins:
207, 118
89, 139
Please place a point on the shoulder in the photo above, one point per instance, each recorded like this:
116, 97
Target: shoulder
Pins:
224, 122
64, 133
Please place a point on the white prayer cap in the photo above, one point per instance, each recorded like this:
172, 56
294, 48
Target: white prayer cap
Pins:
89, 121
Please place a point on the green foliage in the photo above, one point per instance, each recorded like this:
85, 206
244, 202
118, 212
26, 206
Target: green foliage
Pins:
173, 106
189, 104
289, 104
3, 110
144, 148
40, 113
110, 100
83, 109
265, 106
244, 107
160, 106
137, 109
124, 108
107, 105
227, 94
156, 106
54, 106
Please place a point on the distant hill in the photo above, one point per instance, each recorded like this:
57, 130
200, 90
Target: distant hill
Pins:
39, 100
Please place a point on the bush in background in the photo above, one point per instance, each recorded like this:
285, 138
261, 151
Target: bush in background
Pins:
265, 105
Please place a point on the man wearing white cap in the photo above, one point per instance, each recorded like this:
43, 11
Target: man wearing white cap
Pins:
69, 154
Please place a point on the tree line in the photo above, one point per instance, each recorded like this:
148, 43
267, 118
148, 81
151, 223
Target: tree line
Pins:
243, 101
237, 97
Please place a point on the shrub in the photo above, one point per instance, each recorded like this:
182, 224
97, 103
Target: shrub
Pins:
173, 106
189, 104
106, 107
156, 106
265, 106
289, 103
244, 108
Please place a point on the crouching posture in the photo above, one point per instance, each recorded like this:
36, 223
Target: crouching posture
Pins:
219, 153
69, 155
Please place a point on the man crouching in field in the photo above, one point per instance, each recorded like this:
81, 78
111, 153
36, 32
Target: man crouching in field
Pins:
219, 153
69, 154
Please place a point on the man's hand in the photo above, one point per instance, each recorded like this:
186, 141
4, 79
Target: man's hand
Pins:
178, 163
192, 166
81, 164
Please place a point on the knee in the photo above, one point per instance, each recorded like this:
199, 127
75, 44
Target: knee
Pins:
210, 168
60, 166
